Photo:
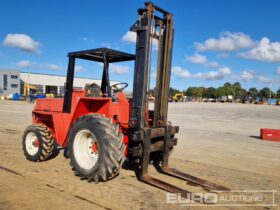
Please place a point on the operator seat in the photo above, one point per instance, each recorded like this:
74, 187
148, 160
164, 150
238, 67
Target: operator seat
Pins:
92, 90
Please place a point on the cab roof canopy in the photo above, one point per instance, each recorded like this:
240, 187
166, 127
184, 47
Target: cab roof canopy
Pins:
100, 54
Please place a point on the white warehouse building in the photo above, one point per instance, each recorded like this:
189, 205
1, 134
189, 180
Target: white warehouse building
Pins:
12, 81
47, 83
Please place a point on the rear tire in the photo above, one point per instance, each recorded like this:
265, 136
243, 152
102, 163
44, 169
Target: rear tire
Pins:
38, 144
95, 148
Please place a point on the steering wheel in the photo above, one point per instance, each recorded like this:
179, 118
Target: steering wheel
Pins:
117, 89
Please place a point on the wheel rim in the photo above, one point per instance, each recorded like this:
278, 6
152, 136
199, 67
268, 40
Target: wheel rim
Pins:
85, 149
31, 143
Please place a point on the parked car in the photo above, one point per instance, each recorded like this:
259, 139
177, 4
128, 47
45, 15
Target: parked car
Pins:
246, 99
211, 100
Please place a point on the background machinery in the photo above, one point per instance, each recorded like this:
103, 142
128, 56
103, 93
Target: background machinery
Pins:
178, 97
29, 92
101, 128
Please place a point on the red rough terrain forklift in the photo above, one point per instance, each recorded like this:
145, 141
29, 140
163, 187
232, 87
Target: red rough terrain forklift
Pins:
100, 128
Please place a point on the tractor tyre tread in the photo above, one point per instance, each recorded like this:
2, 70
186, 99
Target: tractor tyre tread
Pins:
47, 145
111, 152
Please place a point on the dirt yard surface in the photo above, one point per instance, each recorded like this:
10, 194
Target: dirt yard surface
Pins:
216, 142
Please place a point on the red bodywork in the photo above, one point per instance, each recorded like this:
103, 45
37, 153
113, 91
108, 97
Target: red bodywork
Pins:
49, 112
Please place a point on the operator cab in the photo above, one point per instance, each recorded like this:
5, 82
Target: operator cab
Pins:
105, 56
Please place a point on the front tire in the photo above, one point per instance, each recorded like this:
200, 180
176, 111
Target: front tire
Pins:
96, 148
38, 144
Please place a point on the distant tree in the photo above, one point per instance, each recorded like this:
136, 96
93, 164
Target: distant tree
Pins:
253, 92
273, 94
237, 85
173, 91
234, 89
210, 92
200, 91
228, 89
278, 93
191, 91
220, 91
227, 84
264, 93
238, 91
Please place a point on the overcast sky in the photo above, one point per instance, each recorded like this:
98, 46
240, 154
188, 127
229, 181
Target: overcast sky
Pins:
215, 41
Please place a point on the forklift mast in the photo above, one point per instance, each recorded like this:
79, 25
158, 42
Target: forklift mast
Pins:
152, 141
150, 26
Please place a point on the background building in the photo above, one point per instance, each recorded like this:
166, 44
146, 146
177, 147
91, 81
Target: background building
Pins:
47, 83
12, 81
9, 82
